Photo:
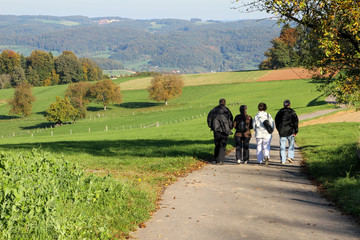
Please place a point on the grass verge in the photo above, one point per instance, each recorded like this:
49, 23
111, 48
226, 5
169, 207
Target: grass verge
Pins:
330, 157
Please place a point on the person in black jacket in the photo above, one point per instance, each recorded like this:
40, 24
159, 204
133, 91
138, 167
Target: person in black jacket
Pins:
287, 122
220, 120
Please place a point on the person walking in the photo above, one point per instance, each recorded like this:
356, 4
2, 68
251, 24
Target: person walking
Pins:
263, 125
243, 124
287, 124
220, 120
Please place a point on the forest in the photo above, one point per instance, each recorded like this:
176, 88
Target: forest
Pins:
144, 45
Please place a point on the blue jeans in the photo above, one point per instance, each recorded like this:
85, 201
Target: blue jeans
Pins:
290, 140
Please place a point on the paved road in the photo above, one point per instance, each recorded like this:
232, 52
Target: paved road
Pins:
250, 201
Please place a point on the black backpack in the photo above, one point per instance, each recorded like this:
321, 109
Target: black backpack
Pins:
241, 125
267, 125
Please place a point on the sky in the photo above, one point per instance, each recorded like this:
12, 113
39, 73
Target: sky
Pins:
134, 9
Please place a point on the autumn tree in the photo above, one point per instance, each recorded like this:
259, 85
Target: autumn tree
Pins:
60, 111
8, 61
334, 25
78, 94
106, 92
285, 50
165, 87
41, 62
91, 70
21, 103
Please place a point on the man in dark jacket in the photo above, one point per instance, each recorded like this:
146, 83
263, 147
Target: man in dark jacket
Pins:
220, 120
287, 122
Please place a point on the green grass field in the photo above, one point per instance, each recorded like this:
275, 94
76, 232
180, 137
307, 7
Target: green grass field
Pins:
125, 142
330, 154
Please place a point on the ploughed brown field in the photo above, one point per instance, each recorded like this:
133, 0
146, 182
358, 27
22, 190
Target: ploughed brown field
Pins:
286, 74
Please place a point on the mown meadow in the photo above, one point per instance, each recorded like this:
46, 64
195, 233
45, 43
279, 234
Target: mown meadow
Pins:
136, 148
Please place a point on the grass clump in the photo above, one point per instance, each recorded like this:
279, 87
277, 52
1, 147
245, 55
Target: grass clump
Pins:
43, 197
331, 159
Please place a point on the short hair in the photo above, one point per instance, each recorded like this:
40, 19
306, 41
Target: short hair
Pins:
222, 101
242, 109
286, 103
262, 106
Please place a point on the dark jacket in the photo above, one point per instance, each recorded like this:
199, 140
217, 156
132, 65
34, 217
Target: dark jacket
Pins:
287, 122
220, 119
249, 125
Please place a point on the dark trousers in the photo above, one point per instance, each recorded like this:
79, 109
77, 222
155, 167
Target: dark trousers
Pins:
220, 140
242, 148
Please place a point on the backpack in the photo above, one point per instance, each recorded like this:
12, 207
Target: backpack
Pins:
241, 125
267, 125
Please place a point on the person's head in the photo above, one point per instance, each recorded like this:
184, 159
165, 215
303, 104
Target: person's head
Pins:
222, 102
243, 109
287, 103
262, 106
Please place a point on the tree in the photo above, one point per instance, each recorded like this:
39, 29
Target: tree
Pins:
334, 25
78, 94
8, 61
92, 71
69, 68
5, 81
284, 51
106, 92
60, 111
42, 62
21, 103
165, 87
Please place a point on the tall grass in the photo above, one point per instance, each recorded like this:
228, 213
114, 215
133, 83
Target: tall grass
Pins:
330, 153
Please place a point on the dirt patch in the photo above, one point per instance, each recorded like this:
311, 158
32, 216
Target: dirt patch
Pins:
343, 116
286, 74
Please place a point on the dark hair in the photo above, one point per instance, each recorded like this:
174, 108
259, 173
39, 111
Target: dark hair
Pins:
286, 103
262, 106
222, 101
242, 109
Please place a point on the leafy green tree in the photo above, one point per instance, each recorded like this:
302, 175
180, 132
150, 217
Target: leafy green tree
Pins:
21, 103
334, 25
165, 87
42, 62
60, 111
78, 94
32, 77
106, 92
18, 76
69, 68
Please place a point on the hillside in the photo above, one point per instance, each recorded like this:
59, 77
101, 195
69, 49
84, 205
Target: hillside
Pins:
151, 45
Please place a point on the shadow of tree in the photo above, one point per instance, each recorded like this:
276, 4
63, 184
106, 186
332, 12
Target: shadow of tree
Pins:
201, 149
96, 109
6, 117
40, 125
133, 105
316, 102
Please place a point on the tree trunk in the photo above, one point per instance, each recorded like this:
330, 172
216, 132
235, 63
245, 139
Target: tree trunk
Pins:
166, 102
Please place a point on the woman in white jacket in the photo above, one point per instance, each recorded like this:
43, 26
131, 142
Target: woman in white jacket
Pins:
263, 137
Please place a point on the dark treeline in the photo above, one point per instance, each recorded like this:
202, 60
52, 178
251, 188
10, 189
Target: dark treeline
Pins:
43, 69
146, 45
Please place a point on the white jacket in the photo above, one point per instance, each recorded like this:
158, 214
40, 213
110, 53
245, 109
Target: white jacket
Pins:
260, 131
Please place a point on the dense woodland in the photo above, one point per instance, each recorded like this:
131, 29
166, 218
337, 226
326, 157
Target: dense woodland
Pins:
144, 45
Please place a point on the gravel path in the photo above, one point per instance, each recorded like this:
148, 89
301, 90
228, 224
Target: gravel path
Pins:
250, 201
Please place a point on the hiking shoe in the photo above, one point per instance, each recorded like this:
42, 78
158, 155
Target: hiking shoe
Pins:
221, 163
238, 161
245, 162
266, 160
290, 160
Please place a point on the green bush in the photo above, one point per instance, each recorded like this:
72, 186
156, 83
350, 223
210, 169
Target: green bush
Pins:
46, 198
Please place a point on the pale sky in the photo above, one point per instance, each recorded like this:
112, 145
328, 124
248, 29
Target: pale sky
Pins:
135, 9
